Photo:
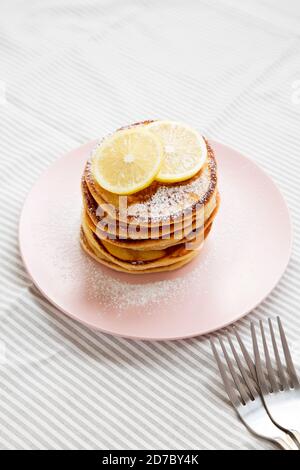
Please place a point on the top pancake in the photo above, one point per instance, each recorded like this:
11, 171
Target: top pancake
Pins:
159, 203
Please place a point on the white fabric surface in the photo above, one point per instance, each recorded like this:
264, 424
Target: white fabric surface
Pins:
71, 70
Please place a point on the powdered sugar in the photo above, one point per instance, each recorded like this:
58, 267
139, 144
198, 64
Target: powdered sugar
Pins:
122, 295
170, 201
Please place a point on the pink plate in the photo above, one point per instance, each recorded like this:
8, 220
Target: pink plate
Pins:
245, 255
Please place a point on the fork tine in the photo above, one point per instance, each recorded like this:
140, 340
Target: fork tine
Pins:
252, 390
287, 355
280, 370
246, 355
259, 370
272, 377
235, 377
228, 387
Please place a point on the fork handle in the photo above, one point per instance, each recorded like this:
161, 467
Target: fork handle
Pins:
286, 443
296, 436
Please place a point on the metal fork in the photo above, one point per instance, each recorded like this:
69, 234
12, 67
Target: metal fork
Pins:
246, 400
281, 397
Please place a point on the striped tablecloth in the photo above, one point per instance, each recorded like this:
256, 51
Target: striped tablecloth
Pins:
70, 71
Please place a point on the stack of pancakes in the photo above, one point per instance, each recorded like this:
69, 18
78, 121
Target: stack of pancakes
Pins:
160, 228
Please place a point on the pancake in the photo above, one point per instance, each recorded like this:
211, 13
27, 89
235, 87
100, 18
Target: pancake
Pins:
160, 228
112, 228
136, 256
154, 243
169, 263
105, 262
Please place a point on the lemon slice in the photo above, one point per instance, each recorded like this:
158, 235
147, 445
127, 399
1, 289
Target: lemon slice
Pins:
185, 150
127, 161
